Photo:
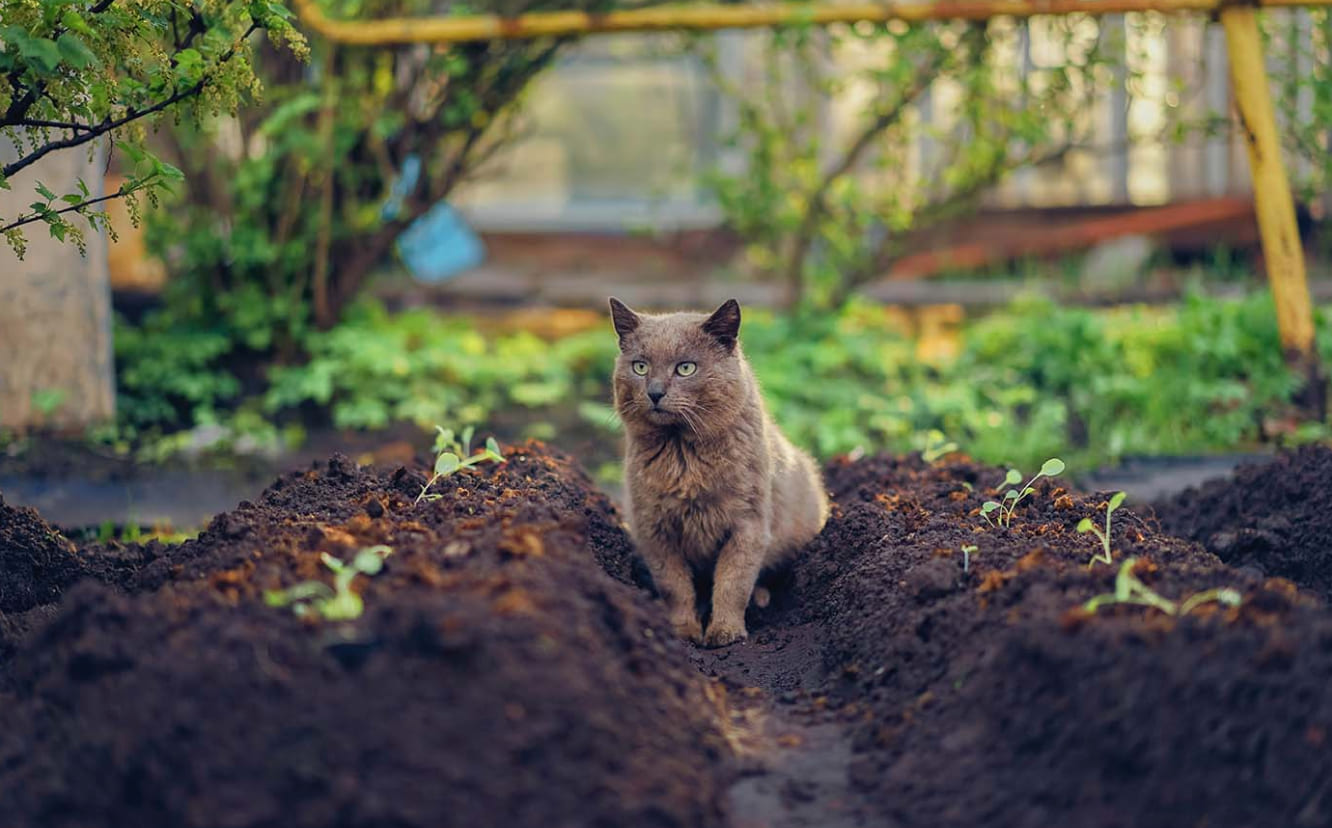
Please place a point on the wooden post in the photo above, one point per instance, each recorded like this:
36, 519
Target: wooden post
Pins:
1273, 203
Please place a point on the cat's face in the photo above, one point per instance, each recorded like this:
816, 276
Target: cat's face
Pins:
678, 370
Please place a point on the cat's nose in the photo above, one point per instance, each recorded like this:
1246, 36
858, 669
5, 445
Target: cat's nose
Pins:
655, 392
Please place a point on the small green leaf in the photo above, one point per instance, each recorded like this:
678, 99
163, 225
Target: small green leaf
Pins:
447, 463
1052, 467
44, 191
1011, 494
493, 447
1085, 525
989, 506
40, 51
1013, 477
370, 561
1115, 501
331, 562
75, 52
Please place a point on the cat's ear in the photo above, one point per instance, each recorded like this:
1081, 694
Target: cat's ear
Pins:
625, 320
724, 324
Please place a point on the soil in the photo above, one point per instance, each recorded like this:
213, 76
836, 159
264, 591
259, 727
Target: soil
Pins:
513, 668
1275, 517
501, 674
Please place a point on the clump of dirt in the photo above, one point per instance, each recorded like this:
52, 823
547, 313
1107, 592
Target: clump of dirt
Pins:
982, 693
499, 675
1275, 517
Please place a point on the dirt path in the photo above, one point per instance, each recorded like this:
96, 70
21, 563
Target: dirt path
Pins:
796, 766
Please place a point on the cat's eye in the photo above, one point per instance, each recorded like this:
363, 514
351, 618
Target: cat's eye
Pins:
684, 369
640, 367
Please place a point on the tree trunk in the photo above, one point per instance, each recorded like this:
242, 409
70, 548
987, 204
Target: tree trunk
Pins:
56, 367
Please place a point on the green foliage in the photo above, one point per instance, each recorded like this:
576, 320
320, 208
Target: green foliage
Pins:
169, 376
1029, 382
452, 454
1003, 510
376, 369
338, 602
827, 214
1085, 525
1130, 590
73, 74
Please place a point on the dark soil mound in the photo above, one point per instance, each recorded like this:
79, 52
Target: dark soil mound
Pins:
988, 697
498, 676
1276, 517
37, 563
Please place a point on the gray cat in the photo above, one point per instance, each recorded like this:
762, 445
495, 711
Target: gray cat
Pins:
712, 483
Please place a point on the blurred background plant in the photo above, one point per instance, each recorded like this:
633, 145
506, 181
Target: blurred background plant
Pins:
828, 213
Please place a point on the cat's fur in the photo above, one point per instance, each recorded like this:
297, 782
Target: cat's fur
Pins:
712, 483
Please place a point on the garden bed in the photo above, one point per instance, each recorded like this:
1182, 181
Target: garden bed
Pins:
510, 668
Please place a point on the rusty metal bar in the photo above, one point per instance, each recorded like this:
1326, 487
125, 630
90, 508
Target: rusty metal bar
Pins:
403, 30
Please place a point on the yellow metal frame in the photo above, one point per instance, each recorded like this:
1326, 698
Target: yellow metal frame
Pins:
1272, 196
677, 17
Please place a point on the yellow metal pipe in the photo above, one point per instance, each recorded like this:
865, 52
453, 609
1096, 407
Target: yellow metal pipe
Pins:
1273, 203
403, 30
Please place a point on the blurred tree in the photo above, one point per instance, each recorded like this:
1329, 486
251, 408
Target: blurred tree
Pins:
827, 212
74, 74
289, 207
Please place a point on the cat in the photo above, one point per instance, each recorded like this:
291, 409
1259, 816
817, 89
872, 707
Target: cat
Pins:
712, 484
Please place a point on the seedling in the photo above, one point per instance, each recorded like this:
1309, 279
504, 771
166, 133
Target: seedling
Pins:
1130, 590
966, 557
338, 602
452, 455
1085, 525
936, 445
1003, 510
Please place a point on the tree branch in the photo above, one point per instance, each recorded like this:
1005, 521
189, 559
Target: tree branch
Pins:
109, 123
818, 200
32, 122
74, 208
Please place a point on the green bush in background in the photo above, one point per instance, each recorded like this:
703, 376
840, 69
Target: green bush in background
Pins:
1029, 382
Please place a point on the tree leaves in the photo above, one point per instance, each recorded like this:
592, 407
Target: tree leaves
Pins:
77, 74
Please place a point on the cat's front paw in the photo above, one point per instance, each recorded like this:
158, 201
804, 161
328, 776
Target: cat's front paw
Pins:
719, 635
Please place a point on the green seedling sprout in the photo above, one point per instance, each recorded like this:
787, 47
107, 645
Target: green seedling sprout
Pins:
338, 602
1130, 590
966, 557
1003, 510
936, 446
1085, 525
452, 455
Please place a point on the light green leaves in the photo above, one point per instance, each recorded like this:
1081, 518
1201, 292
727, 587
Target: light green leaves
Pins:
447, 463
75, 52
453, 455
1085, 525
338, 602
1130, 590
1003, 511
